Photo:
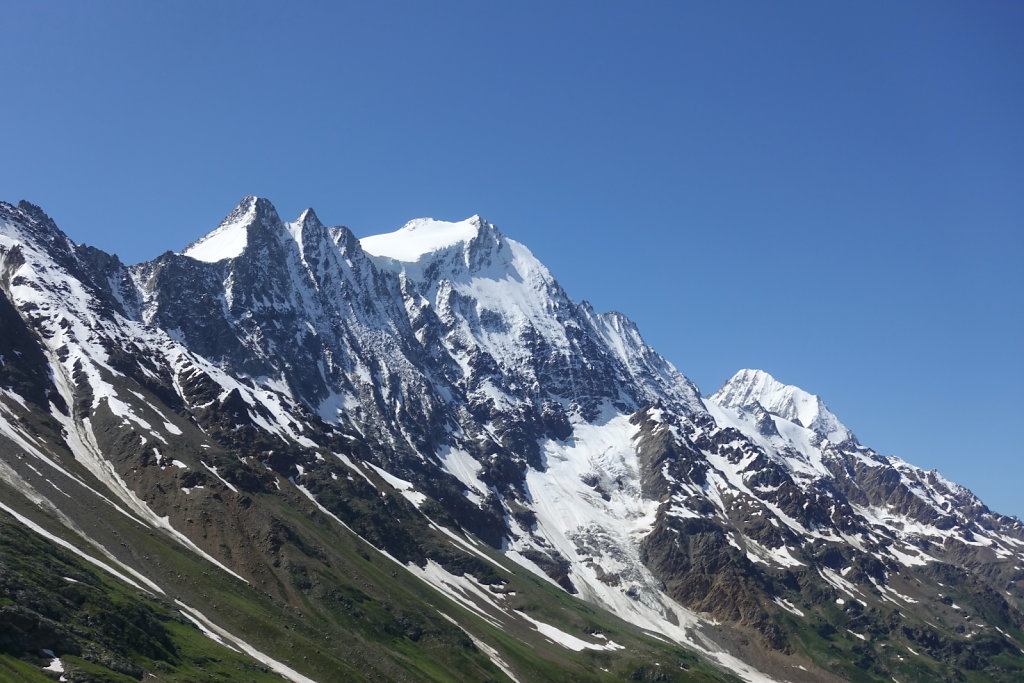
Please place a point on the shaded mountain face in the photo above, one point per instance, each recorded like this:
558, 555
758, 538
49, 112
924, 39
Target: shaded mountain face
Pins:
414, 457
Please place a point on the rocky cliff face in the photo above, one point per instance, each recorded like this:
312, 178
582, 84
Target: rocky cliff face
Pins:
321, 425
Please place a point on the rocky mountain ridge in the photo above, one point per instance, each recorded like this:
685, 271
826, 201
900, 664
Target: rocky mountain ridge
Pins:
436, 400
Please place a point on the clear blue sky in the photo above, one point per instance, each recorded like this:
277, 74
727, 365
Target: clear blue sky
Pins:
833, 192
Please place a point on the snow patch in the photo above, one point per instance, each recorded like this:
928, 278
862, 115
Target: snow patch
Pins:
567, 640
227, 241
85, 556
404, 487
55, 665
464, 590
788, 606
211, 629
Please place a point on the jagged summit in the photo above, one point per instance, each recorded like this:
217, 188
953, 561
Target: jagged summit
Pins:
308, 217
235, 233
30, 219
748, 388
231, 237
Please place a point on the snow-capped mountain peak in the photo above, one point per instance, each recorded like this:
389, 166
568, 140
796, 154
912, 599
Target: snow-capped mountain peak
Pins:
231, 237
308, 217
435, 394
470, 251
748, 388
423, 236
255, 224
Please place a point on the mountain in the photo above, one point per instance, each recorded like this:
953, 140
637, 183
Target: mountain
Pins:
288, 452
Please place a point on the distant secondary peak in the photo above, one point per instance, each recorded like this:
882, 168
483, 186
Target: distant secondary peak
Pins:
423, 236
753, 388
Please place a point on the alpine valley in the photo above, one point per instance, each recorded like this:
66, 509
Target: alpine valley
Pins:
288, 453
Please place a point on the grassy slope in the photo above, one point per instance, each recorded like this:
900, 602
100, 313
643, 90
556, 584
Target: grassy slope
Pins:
901, 644
94, 622
353, 614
